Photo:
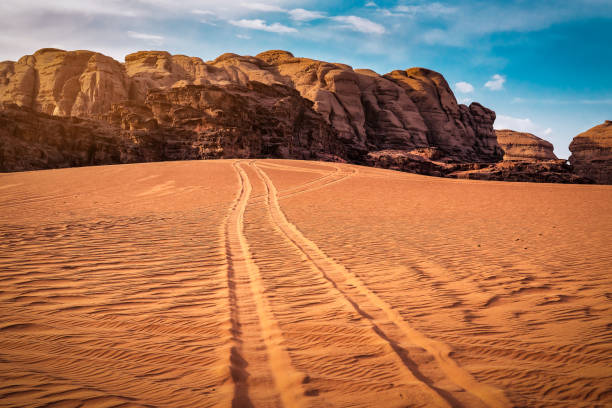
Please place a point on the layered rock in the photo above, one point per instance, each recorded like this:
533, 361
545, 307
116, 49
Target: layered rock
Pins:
520, 146
541, 171
232, 121
31, 140
592, 153
463, 133
190, 122
64, 83
367, 111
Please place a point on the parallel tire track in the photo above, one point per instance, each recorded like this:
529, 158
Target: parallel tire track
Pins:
352, 287
407, 369
287, 380
336, 176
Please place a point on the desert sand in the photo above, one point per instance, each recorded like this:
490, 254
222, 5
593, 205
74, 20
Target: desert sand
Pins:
272, 283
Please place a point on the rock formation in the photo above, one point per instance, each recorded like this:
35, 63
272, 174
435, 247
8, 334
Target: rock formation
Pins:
367, 112
31, 140
461, 132
592, 153
158, 106
60, 83
520, 146
544, 171
191, 122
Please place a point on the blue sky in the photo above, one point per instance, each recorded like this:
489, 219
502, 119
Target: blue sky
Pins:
543, 66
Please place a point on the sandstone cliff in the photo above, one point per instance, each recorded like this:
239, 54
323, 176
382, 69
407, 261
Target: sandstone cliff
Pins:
191, 122
366, 112
520, 146
66, 108
592, 153
461, 132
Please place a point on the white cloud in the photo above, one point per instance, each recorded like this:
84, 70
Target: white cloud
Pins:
264, 7
203, 12
258, 24
518, 124
496, 82
360, 24
387, 13
431, 9
300, 14
464, 87
152, 38
466, 101
521, 125
243, 36
371, 4
206, 16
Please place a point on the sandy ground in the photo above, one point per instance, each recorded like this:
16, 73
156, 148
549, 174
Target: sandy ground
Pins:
283, 283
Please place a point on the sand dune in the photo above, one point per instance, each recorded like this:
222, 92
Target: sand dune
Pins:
272, 283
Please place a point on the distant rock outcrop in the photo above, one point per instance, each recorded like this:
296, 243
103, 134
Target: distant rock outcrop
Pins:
520, 146
592, 153
541, 171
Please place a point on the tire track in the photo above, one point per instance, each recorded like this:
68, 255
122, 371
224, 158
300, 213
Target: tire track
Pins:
243, 272
408, 369
238, 364
353, 289
337, 175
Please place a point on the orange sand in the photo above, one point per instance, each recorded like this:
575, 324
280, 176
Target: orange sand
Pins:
284, 283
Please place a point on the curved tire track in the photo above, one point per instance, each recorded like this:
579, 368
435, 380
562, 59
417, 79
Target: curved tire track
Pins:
352, 287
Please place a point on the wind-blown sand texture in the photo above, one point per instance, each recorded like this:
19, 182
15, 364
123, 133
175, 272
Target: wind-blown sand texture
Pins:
300, 284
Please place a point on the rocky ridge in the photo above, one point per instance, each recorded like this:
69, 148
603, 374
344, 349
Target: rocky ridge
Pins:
367, 111
158, 106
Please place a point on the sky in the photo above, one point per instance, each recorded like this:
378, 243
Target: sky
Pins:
543, 66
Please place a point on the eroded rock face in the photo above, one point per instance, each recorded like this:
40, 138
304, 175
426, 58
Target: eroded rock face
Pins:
463, 133
232, 121
190, 122
519, 146
541, 171
592, 153
31, 140
367, 111
64, 83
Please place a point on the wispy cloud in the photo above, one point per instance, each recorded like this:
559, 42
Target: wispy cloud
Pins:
464, 87
243, 36
521, 125
371, 4
257, 24
152, 38
264, 7
430, 9
360, 24
496, 83
203, 12
300, 14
